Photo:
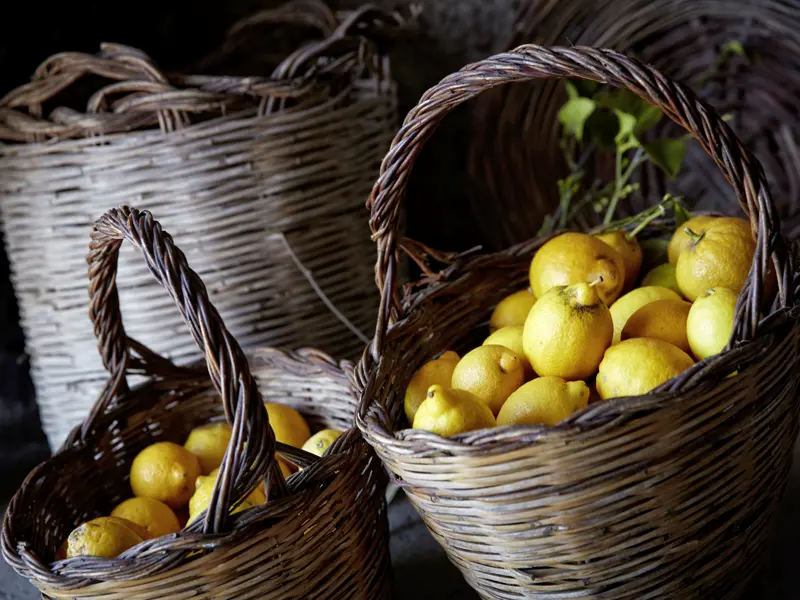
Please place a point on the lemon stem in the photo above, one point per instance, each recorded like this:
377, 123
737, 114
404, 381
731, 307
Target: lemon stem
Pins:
696, 237
659, 211
596, 281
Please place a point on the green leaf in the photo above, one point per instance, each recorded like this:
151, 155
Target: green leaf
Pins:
572, 91
667, 154
733, 47
573, 115
627, 123
647, 119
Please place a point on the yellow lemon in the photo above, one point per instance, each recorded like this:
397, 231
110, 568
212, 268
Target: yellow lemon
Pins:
155, 517
105, 537
577, 258
720, 256
544, 401
491, 373
321, 441
623, 308
663, 320
680, 239
208, 444
512, 310
630, 251
511, 337
663, 276
290, 428
567, 331
439, 370
204, 488
166, 472
638, 365
447, 412
710, 322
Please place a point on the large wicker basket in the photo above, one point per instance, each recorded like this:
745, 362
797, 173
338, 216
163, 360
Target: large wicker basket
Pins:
514, 151
261, 179
323, 532
667, 495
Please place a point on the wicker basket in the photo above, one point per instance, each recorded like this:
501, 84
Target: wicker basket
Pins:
666, 495
323, 532
261, 179
514, 155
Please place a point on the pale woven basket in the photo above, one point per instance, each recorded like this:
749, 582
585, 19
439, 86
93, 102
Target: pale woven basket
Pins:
262, 181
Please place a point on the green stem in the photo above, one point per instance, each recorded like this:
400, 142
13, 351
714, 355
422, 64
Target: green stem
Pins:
696, 237
612, 205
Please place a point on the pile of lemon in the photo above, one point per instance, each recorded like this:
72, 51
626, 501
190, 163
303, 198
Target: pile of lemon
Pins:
172, 485
585, 332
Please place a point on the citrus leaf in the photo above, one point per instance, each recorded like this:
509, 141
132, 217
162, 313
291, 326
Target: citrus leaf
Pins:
647, 119
667, 154
733, 47
572, 91
627, 123
573, 115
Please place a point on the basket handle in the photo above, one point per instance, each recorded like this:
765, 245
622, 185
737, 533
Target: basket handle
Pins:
529, 62
250, 455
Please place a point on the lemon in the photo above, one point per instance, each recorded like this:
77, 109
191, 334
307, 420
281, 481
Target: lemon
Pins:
680, 239
719, 257
321, 441
208, 444
439, 370
663, 320
544, 401
491, 373
204, 488
512, 310
290, 428
638, 365
630, 251
166, 472
623, 308
663, 276
567, 331
577, 258
710, 322
447, 412
155, 517
105, 537
511, 337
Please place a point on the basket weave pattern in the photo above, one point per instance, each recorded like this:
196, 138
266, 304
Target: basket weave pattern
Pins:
262, 180
323, 532
666, 495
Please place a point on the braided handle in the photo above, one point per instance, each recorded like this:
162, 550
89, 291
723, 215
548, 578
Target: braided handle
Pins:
531, 62
250, 455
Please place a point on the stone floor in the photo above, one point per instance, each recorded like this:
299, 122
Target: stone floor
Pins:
422, 572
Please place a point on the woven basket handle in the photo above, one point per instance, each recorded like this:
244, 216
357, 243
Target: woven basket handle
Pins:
531, 62
245, 464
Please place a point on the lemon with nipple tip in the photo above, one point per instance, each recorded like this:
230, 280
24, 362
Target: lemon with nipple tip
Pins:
104, 537
511, 338
447, 412
544, 401
490, 373
567, 332
629, 249
577, 258
438, 370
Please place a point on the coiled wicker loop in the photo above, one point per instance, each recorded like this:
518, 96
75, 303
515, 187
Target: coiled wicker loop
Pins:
250, 454
529, 62
670, 494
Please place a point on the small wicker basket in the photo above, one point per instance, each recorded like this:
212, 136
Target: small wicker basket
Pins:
261, 179
514, 150
323, 532
667, 495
